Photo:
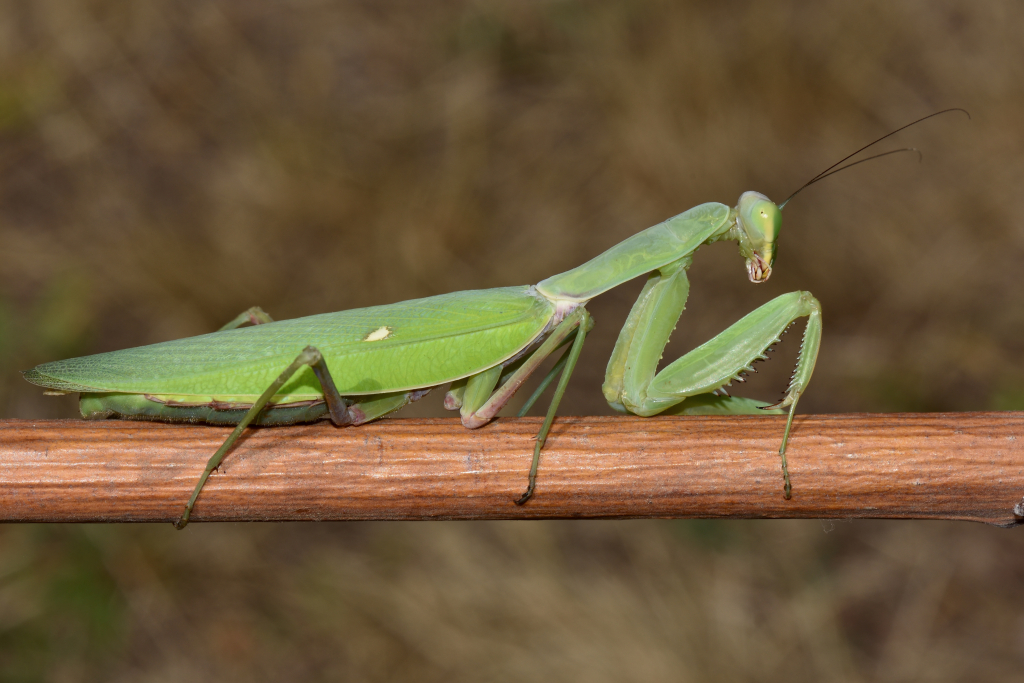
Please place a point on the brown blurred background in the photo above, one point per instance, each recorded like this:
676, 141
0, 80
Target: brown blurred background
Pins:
163, 166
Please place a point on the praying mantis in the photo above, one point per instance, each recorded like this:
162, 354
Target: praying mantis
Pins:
359, 365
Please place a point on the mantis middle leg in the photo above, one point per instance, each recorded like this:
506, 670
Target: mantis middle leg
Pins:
252, 316
338, 409
481, 401
632, 383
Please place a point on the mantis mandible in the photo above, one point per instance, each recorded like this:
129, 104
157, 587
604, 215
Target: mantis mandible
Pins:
359, 365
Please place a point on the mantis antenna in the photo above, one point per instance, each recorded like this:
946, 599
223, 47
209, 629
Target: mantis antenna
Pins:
829, 171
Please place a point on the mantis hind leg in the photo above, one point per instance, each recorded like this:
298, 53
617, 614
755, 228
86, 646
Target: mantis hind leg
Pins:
632, 383
338, 409
341, 412
378, 405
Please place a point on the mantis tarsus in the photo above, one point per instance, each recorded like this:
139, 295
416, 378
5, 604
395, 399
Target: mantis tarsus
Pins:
355, 366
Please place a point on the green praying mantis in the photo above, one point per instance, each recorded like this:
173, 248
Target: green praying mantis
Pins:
356, 366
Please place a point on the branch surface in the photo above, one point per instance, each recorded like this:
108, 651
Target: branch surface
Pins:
966, 466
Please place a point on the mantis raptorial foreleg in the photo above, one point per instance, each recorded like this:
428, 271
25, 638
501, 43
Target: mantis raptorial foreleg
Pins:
632, 382
646, 331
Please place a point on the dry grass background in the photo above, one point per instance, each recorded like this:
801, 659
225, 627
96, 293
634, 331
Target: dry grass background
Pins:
165, 165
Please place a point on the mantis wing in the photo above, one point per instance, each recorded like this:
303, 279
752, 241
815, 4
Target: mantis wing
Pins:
409, 345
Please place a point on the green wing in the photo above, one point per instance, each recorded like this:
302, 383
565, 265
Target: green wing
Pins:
398, 347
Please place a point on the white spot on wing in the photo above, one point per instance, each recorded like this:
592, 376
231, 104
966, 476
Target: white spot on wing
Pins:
378, 334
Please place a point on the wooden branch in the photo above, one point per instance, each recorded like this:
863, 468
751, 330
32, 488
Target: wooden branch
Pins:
967, 466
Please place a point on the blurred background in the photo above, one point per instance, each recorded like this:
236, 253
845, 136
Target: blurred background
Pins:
164, 166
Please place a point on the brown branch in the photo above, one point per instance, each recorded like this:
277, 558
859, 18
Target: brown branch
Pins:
966, 466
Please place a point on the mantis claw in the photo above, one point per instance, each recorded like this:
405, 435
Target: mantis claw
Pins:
787, 400
521, 500
183, 520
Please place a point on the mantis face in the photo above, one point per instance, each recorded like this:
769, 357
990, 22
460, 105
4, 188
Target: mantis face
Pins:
759, 221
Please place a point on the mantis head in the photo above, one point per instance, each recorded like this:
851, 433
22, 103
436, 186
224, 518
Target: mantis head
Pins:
759, 221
